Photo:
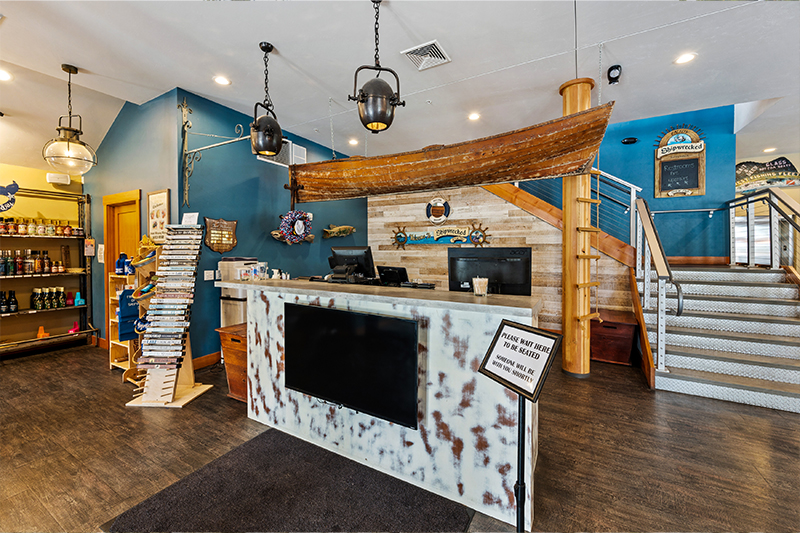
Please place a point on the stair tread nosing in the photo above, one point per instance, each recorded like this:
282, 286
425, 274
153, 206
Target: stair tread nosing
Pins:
758, 385
727, 268
760, 284
736, 357
732, 335
788, 320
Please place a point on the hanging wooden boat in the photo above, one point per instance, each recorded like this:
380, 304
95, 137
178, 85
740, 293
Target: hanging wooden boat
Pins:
561, 147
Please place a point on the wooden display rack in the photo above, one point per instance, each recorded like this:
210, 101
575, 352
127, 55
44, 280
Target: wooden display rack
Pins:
164, 368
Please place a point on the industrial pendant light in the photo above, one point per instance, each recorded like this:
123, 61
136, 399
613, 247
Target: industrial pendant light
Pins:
266, 137
376, 101
67, 153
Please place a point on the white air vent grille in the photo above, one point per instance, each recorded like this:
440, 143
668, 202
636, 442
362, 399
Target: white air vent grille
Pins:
427, 55
284, 157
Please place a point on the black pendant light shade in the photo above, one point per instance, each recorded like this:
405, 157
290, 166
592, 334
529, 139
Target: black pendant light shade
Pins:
67, 153
376, 100
266, 137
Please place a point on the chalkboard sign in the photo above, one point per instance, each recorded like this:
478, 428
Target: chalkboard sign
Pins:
679, 174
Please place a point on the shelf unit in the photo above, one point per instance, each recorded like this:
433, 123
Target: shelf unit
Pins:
120, 353
18, 331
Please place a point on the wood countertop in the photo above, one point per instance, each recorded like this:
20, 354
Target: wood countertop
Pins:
521, 306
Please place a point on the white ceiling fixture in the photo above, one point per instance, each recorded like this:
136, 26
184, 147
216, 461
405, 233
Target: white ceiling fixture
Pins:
769, 150
222, 80
427, 55
474, 116
685, 58
5, 75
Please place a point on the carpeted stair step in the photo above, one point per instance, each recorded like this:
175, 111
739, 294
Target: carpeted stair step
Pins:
778, 369
746, 343
736, 322
735, 304
725, 273
785, 291
773, 395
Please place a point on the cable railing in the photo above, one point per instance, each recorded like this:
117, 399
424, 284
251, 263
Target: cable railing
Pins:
649, 251
616, 210
784, 212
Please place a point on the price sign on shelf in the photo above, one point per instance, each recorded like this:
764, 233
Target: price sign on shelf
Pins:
520, 357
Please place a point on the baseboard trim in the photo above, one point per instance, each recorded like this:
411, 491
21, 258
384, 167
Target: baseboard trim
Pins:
709, 260
206, 360
100, 342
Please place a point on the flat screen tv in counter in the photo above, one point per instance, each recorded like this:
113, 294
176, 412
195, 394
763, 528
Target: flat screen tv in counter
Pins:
357, 360
507, 269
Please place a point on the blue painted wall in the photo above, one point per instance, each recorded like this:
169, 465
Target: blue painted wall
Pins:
230, 183
142, 151
138, 152
685, 234
682, 234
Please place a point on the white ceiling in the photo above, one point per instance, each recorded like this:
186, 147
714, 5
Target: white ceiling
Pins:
508, 60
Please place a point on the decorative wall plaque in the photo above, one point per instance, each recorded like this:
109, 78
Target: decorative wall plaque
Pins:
752, 176
220, 234
445, 235
680, 163
437, 211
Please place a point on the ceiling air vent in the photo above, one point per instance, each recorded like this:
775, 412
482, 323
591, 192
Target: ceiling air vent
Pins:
427, 55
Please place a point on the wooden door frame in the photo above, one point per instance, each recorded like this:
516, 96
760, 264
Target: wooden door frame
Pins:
109, 201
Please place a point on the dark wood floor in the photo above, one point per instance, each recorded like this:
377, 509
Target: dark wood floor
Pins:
613, 455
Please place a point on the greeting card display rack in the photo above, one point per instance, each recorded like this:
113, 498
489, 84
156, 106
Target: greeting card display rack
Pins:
165, 363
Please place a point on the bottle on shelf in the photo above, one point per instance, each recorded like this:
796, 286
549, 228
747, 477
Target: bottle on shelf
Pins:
37, 261
36, 299
11, 226
3, 270
41, 228
3, 226
22, 263
32, 227
22, 227
13, 305
70, 299
3, 302
47, 299
61, 299
47, 264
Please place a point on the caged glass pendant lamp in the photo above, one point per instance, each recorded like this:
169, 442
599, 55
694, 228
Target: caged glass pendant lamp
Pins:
266, 137
376, 100
67, 153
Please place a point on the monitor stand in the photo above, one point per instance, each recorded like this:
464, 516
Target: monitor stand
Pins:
342, 273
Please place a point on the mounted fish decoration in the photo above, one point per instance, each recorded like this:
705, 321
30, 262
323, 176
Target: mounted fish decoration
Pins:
337, 231
295, 227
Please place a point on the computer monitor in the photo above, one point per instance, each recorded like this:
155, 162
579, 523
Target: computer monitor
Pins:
352, 260
393, 276
507, 269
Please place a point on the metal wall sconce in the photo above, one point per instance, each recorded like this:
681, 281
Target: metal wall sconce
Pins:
67, 153
613, 74
375, 100
266, 137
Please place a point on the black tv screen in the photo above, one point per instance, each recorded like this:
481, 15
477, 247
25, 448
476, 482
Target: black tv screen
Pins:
507, 269
364, 362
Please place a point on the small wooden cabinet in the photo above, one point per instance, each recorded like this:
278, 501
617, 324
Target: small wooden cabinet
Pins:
234, 352
613, 339
120, 353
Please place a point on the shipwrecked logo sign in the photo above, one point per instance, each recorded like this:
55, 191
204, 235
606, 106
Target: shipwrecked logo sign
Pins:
444, 235
680, 162
9, 191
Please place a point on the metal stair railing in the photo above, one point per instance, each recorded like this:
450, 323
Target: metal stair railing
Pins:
780, 205
649, 243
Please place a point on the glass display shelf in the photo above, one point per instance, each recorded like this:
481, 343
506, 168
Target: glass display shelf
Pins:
41, 236
22, 276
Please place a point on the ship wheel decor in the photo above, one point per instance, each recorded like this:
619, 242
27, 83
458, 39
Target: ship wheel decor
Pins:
478, 235
400, 238
295, 227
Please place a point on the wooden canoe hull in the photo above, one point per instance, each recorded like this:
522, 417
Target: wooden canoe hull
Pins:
561, 147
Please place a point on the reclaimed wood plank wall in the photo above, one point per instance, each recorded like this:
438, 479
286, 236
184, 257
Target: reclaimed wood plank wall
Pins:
507, 225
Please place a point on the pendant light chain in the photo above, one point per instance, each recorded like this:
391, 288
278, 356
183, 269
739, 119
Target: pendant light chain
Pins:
575, 14
377, 5
267, 100
330, 117
69, 93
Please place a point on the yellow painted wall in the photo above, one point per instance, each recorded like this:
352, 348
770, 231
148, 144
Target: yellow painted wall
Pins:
38, 208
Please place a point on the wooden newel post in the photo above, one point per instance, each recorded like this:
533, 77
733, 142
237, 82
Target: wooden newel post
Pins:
576, 96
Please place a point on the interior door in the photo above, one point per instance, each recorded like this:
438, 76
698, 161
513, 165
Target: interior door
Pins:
121, 232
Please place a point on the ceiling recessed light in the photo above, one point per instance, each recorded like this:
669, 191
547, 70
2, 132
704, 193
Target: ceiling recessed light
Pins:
5, 76
354, 141
222, 80
685, 58
474, 116
768, 150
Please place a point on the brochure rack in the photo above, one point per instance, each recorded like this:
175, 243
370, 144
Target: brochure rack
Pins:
166, 356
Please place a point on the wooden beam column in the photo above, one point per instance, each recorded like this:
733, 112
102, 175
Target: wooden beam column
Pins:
576, 241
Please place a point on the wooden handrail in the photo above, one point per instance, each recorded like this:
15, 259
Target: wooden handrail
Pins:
648, 367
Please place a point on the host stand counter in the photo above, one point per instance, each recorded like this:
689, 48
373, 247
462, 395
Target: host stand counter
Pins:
466, 446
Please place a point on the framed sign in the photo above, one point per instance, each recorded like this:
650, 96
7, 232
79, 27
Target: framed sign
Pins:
680, 163
221, 234
158, 215
520, 357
